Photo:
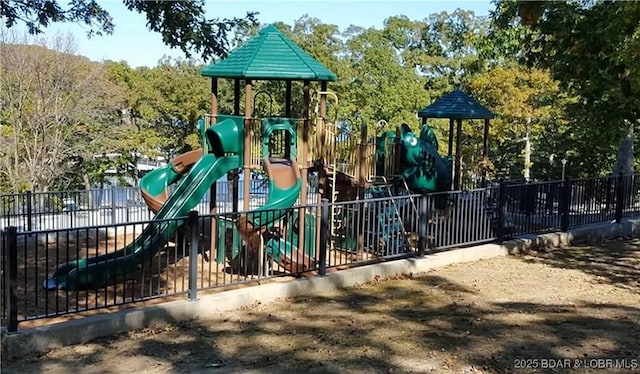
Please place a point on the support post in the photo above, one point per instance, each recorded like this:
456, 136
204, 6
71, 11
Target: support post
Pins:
565, 202
213, 191
193, 255
287, 99
324, 240
214, 99
321, 151
287, 113
321, 157
451, 135
304, 163
12, 284
450, 149
233, 177
456, 183
485, 153
362, 159
236, 97
248, 135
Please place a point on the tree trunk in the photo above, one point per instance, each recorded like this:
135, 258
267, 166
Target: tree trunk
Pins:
87, 187
624, 164
624, 160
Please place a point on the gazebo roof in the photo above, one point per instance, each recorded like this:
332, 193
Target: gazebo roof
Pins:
270, 55
456, 105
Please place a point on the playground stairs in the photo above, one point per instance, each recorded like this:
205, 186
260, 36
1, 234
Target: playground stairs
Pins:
385, 231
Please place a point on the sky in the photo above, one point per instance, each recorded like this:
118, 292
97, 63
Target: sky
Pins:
133, 43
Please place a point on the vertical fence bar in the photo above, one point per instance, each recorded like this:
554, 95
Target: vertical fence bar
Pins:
193, 255
29, 211
619, 197
11, 290
324, 231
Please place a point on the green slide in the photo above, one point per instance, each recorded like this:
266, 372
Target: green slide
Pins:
279, 202
97, 271
193, 174
280, 199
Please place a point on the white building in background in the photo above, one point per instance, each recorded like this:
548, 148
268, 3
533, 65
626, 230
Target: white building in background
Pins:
144, 164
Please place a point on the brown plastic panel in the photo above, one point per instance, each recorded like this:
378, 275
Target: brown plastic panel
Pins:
283, 171
155, 203
183, 162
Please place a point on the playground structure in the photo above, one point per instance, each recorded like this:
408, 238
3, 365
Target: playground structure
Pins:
348, 166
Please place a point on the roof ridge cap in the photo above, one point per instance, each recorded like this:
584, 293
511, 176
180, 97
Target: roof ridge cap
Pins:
253, 57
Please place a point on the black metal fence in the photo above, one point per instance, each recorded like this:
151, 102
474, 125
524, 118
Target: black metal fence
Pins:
53, 272
36, 211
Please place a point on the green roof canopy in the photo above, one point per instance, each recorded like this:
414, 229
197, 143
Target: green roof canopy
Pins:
270, 55
457, 105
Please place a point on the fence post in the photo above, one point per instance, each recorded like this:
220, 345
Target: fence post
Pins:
193, 254
565, 202
29, 210
324, 232
619, 197
502, 201
423, 218
11, 286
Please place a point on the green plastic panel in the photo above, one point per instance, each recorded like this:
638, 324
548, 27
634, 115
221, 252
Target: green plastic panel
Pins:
226, 137
271, 124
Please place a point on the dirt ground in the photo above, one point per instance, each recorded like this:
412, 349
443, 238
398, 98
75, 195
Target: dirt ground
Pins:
503, 315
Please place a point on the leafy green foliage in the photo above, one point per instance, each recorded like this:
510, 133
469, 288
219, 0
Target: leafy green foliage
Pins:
592, 49
182, 24
38, 14
522, 96
566, 69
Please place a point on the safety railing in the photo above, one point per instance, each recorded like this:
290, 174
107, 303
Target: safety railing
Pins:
182, 256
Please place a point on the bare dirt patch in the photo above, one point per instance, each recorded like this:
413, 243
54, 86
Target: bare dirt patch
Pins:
580, 303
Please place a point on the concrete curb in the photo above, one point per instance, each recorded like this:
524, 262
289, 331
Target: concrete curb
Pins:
44, 338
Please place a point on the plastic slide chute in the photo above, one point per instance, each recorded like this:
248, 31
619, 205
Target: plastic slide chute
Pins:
155, 184
256, 226
193, 173
285, 183
100, 270
261, 227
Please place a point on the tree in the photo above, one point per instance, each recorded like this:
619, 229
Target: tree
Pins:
382, 84
51, 103
447, 50
182, 24
530, 105
591, 48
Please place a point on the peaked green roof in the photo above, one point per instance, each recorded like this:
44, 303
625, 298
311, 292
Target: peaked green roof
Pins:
457, 105
269, 55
